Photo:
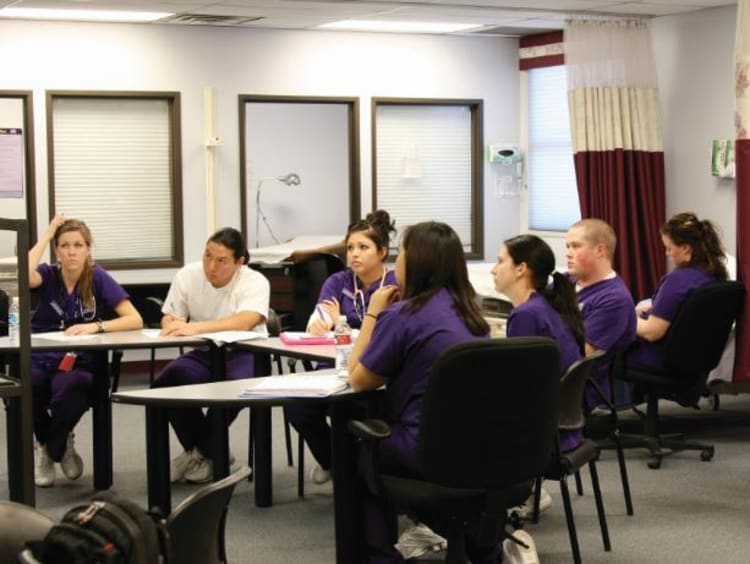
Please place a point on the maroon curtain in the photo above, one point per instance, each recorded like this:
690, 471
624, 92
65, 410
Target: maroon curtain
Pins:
626, 189
742, 164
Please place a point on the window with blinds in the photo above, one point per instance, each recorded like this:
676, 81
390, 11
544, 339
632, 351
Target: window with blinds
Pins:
552, 196
114, 163
428, 165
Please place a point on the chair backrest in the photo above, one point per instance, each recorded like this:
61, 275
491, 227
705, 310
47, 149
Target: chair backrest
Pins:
699, 332
489, 414
273, 324
196, 526
572, 390
20, 523
309, 276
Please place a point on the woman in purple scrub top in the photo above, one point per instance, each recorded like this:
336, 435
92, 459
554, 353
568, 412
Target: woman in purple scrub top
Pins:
405, 330
540, 309
73, 295
695, 249
344, 293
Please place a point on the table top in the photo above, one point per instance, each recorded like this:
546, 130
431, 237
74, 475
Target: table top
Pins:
227, 393
273, 345
137, 339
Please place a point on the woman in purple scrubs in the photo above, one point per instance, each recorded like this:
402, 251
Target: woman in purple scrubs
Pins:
694, 248
345, 293
404, 331
73, 295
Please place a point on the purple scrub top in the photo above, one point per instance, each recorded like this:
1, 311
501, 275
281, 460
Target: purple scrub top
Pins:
340, 285
668, 297
57, 309
403, 348
537, 318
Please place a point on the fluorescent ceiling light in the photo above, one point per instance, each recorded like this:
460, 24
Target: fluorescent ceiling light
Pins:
398, 27
86, 15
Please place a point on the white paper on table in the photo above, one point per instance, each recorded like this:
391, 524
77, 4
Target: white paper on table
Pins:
153, 333
60, 336
309, 385
221, 337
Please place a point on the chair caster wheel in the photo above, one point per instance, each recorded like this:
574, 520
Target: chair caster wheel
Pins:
655, 463
707, 454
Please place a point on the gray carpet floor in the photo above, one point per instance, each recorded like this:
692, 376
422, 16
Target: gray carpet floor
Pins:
688, 511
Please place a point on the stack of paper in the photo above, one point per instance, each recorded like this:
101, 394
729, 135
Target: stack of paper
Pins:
302, 386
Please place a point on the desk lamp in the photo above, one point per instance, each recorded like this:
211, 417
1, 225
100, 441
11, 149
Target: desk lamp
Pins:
291, 179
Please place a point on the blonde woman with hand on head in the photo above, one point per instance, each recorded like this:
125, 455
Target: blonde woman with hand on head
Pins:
73, 295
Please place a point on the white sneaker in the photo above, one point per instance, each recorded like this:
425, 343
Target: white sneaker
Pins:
514, 553
419, 539
319, 475
526, 511
71, 463
44, 468
182, 464
203, 471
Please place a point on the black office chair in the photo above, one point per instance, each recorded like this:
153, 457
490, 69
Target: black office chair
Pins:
692, 348
564, 464
20, 523
196, 526
603, 425
489, 417
310, 273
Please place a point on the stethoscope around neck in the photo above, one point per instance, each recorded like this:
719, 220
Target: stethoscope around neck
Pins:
81, 314
359, 295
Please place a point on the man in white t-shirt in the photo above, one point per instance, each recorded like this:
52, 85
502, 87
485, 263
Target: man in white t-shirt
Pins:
219, 294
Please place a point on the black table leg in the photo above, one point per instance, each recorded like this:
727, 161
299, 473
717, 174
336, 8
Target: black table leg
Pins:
220, 440
347, 494
157, 460
263, 459
102, 417
20, 456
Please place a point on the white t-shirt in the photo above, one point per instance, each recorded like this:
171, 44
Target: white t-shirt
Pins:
192, 296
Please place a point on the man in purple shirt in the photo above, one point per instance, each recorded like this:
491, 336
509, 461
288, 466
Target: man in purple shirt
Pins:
606, 304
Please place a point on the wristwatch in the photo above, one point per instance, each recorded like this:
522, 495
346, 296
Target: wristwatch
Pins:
100, 326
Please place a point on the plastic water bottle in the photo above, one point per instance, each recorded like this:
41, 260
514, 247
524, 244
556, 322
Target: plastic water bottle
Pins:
342, 336
14, 321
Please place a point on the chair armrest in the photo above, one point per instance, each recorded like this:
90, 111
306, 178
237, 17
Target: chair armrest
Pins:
370, 429
370, 433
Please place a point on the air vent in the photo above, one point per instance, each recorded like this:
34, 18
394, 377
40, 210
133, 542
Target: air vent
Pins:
209, 19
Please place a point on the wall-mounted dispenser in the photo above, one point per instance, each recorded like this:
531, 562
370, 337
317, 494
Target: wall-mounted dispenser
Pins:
504, 154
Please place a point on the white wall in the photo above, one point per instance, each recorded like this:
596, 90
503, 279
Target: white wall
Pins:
695, 65
79, 56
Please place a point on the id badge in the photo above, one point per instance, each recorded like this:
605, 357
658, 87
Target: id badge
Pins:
67, 362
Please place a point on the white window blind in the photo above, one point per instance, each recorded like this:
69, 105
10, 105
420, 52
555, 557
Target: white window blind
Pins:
553, 195
112, 169
424, 165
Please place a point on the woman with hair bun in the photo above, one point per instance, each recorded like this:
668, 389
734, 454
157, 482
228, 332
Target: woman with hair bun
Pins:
73, 295
345, 293
695, 249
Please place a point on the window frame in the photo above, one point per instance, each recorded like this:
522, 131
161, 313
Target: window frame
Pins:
476, 107
27, 100
175, 150
548, 234
352, 104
